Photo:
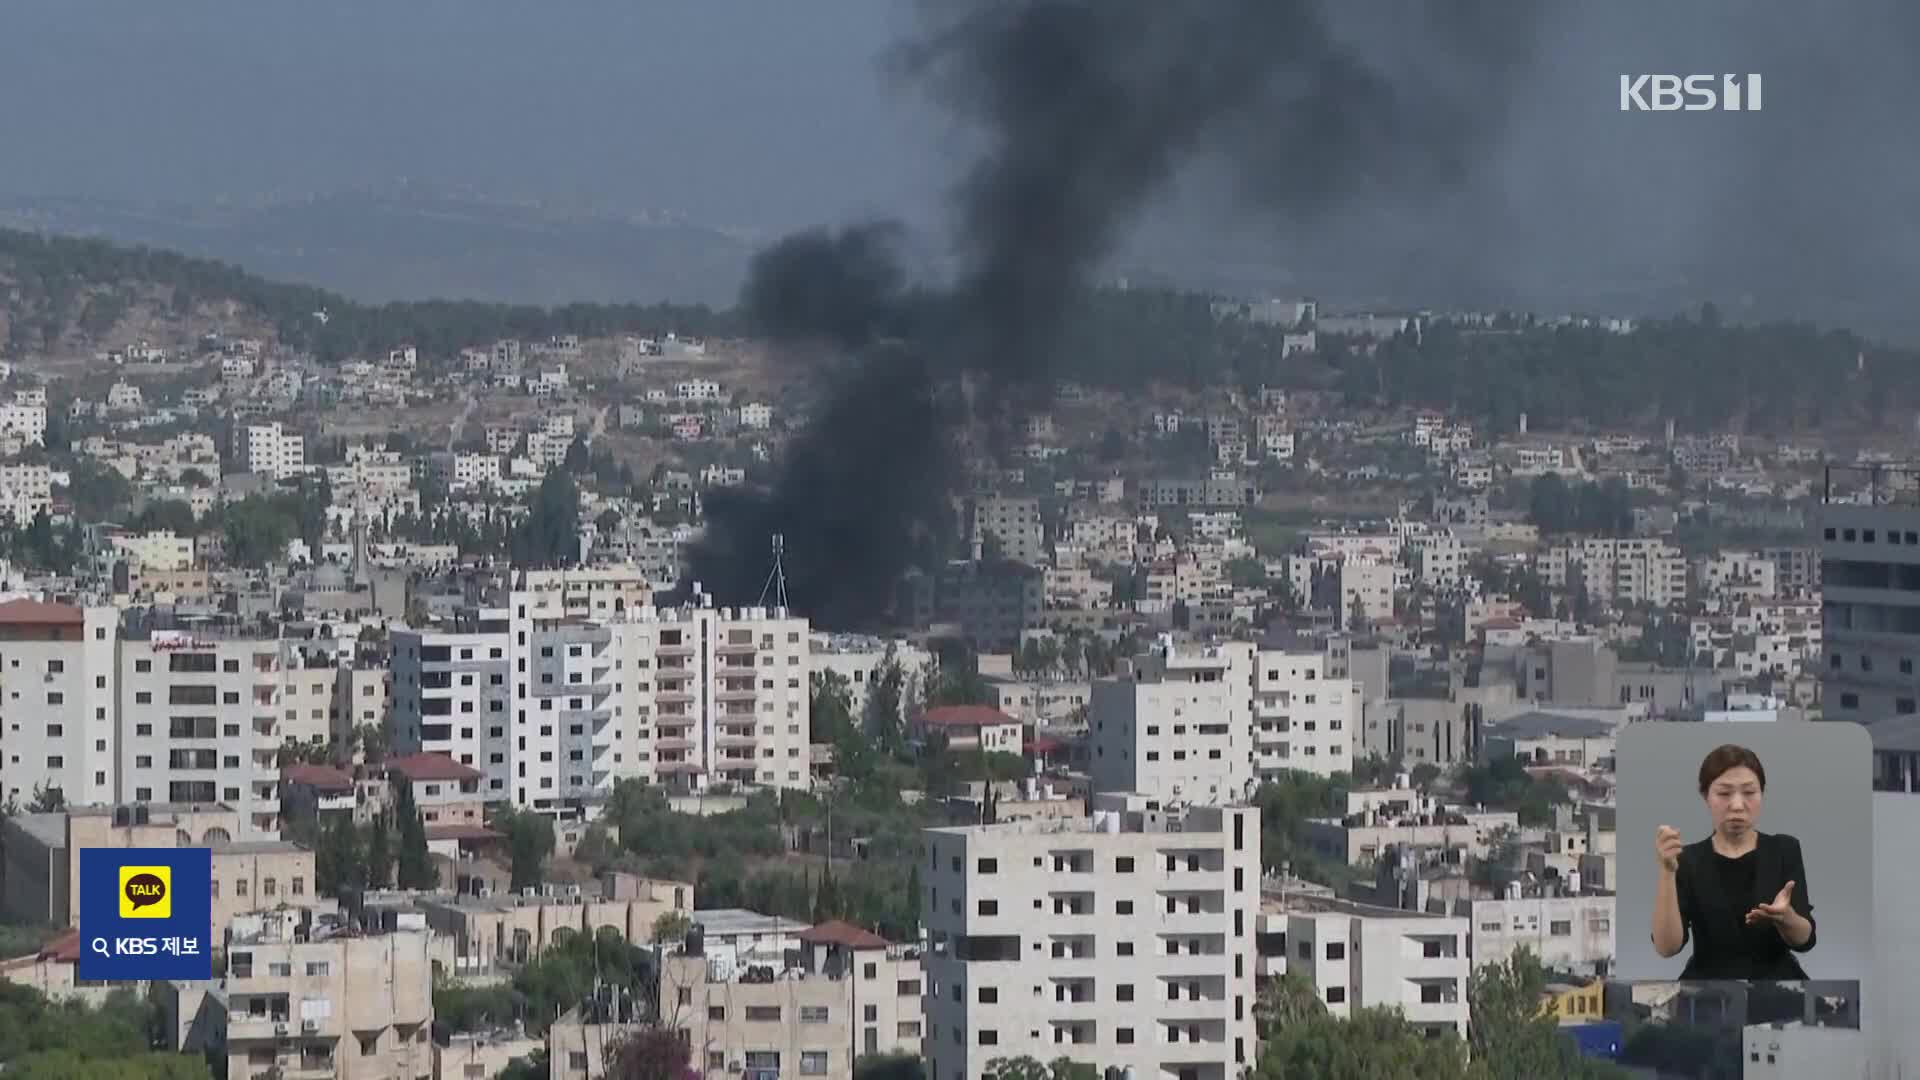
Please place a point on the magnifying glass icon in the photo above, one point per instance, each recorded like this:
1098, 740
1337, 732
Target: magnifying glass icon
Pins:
100, 946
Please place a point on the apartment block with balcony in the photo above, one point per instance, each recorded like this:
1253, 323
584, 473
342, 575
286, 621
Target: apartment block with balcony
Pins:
714, 695
1179, 727
307, 1002
57, 711
1358, 956
1567, 933
451, 692
1014, 523
849, 993
201, 723
1870, 598
1122, 940
1303, 718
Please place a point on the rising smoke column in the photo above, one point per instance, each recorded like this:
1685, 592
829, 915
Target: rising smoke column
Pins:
1089, 109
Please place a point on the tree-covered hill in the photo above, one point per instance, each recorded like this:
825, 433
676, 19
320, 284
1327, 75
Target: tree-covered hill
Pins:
1780, 378
53, 286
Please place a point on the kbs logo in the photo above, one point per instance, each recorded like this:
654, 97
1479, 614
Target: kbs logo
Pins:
146, 892
1689, 93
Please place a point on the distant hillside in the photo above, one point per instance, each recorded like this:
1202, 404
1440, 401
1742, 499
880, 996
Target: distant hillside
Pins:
61, 295
420, 246
58, 293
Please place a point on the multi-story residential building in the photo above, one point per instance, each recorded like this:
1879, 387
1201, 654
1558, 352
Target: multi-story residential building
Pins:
991, 603
1358, 956
1796, 569
552, 708
1304, 719
1180, 727
25, 421
849, 994
1566, 933
26, 491
861, 659
1870, 573
58, 720
1014, 523
1443, 561
1136, 923
268, 450
201, 723
756, 416
304, 1001
1620, 572
161, 549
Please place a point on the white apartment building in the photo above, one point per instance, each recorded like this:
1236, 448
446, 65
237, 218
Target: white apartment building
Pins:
1442, 558
272, 451
697, 390
1015, 524
1303, 720
553, 708
1568, 933
1620, 573
1751, 575
1359, 956
1180, 729
57, 719
1133, 927
26, 422
859, 659
466, 471
200, 723
25, 492
756, 416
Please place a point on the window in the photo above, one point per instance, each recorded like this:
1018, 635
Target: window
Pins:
1123, 992
1124, 907
1124, 948
1336, 950
317, 967
989, 995
763, 1014
716, 1012
907, 988
989, 907
988, 866
1336, 994
299, 886
1123, 1036
1560, 927
813, 1063
1849, 701
1123, 865
813, 1014
989, 1037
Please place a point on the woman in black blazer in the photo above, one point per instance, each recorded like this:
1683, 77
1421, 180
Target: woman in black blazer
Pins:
1740, 895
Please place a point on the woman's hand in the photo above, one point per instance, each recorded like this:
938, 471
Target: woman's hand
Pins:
1776, 912
1666, 839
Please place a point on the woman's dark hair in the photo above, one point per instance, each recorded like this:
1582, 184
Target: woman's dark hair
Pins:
1723, 758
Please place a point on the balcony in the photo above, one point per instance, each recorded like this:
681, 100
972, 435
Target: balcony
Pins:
683, 648
673, 744
248, 1026
736, 648
747, 694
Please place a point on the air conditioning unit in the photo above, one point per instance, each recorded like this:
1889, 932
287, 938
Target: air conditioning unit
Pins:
309, 1025
279, 1029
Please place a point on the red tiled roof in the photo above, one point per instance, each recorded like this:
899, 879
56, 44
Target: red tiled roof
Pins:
64, 948
965, 716
418, 767
842, 933
38, 613
321, 777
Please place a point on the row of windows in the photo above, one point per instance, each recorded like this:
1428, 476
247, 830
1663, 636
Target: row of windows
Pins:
1123, 864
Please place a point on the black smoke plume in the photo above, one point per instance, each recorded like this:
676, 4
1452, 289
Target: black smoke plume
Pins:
1089, 109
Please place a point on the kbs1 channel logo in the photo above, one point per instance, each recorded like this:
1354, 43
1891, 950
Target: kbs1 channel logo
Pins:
146, 913
1690, 93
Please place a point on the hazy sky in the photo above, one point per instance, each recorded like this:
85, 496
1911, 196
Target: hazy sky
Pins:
759, 111
774, 113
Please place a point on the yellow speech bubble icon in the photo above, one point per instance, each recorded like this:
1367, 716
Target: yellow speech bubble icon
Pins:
146, 892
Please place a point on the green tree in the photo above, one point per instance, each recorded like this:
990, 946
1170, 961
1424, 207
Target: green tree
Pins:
550, 534
886, 694
337, 858
415, 868
379, 849
648, 1053
671, 927
529, 842
889, 1067
1375, 1043
1027, 1068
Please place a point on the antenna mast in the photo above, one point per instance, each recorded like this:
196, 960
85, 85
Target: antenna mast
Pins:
777, 579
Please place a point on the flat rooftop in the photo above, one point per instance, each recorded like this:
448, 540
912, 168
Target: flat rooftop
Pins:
1316, 904
50, 830
738, 922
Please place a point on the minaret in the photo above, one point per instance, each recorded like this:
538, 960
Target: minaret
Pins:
361, 574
